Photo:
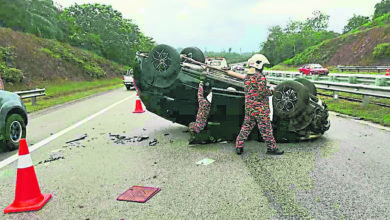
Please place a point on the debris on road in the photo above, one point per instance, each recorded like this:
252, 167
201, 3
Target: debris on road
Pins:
121, 139
153, 142
166, 134
141, 138
54, 155
205, 161
82, 137
138, 194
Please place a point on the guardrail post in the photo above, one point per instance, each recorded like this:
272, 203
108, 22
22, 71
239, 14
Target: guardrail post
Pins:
366, 101
380, 81
352, 79
33, 100
335, 96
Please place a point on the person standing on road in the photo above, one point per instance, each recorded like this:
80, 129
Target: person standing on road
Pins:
256, 105
203, 113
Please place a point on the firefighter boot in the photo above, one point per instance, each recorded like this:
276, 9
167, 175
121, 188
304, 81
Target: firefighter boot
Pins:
274, 151
239, 150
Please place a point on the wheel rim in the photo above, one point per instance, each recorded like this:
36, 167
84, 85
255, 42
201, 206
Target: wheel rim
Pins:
161, 60
15, 131
286, 99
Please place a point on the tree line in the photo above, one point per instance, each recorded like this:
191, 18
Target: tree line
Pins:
94, 27
286, 42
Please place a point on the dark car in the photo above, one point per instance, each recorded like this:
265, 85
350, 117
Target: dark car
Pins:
313, 69
168, 85
13, 120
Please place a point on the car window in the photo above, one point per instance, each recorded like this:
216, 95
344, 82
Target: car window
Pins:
215, 63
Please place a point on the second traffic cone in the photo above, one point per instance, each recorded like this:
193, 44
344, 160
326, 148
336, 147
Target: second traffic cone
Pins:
28, 196
387, 72
138, 106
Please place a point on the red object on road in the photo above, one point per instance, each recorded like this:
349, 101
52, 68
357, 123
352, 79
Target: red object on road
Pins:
28, 196
138, 106
387, 72
138, 194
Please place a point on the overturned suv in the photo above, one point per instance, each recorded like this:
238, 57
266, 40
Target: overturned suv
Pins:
168, 83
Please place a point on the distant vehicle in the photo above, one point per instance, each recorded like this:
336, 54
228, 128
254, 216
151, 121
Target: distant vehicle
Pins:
313, 69
239, 68
13, 120
128, 80
218, 62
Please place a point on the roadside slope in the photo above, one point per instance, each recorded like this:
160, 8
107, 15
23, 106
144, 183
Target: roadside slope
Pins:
354, 48
26, 61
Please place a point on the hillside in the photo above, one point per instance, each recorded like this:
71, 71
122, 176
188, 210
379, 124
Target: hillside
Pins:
367, 45
26, 61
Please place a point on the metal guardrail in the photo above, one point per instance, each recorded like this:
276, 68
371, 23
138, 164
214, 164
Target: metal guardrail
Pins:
365, 85
359, 68
33, 94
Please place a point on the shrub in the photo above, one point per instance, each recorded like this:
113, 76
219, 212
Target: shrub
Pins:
12, 75
382, 51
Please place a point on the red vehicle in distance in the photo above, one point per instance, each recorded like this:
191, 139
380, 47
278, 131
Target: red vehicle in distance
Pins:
313, 69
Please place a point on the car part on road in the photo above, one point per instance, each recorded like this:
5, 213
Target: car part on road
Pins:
138, 194
82, 137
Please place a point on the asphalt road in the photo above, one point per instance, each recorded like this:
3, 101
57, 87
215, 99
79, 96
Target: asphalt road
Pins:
343, 175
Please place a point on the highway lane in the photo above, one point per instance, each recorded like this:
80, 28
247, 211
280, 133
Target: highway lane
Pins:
344, 174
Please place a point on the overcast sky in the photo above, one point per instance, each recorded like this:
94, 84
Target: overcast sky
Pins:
216, 25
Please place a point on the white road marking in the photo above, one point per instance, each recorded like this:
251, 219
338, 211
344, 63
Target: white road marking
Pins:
54, 136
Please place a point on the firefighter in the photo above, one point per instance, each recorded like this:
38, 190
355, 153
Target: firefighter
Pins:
256, 105
203, 113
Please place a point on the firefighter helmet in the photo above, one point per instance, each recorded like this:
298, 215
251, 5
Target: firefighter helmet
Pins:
257, 61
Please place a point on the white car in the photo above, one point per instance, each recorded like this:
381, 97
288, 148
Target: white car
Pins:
128, 80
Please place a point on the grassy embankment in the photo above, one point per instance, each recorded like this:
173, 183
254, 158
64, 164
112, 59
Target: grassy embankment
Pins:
66, 91
67, 73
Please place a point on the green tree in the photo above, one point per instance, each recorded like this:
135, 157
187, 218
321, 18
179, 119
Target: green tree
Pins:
42, 19
355, 22
285, 43
12, 14
39, 17
102, 30
381, 8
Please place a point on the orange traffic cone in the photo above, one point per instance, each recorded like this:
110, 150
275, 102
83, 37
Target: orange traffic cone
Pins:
138, 106
28, 196
387, 72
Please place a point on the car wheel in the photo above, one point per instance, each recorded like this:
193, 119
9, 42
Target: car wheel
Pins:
194, 53
311, 73
14, 131
290, 99
162, 66
309, 85
128, 87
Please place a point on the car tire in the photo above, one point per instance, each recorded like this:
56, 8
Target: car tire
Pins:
128, 87
309, 85
194, 53
290, 99
14, 131
162, 66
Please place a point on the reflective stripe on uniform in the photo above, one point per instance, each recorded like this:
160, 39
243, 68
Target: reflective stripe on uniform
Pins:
24, 161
